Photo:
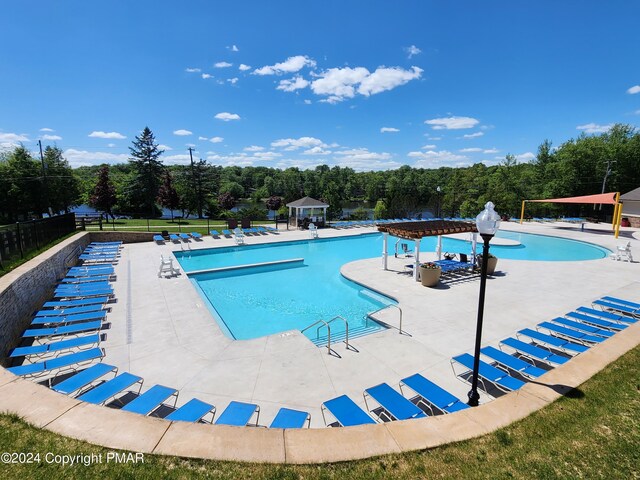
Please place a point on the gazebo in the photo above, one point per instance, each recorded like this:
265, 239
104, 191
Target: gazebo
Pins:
310, 208
417, 230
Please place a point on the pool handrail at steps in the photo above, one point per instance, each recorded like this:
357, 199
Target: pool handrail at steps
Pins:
322, 323
371, 314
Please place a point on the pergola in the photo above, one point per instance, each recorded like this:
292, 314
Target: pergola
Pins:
416, 231
308, 207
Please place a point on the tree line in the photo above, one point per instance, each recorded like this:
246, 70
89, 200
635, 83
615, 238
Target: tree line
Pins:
577, 167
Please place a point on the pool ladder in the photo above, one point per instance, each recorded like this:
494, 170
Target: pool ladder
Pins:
321, 324
370, 315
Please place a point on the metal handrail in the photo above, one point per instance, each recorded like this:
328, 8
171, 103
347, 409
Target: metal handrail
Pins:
346, 328
328, 332
384, 308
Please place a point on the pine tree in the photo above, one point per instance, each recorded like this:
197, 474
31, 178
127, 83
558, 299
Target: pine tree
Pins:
144, 186
104, 193
167, 194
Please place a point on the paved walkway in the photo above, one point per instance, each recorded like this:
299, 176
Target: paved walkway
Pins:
162, 331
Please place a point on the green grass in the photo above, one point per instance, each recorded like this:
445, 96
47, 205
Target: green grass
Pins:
594, 432
10, 265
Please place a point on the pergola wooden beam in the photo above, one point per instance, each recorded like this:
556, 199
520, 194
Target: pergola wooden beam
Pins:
428, 228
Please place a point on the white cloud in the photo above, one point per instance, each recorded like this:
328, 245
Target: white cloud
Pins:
491, 150
525, 157
111, 145
206, 76
388, 130
387, 79
361, 159
316, 151
253, 148
244, 68
80, 158
267, 155
428, 147
203, 138
234, 48
166, 148
308, 102
473, 135
182, 132
637, 112
192, 145
233, 80
51, 137
292, 84
633, 90
192, 70
594, 128
177, 159
13, 137
109, 135
452, 123
226, 116
223, 65
295, 143
434, 158
216, 139
290, 65
412, 50
470, 150
47, 130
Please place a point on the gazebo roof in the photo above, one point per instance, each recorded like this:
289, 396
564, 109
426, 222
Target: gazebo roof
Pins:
633, 195
307, 202
428, 228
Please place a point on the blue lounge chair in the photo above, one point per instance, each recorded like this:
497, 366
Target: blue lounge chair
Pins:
80, 287
394, 406
226, 233
84, 280
158, 238
109, 389
91, 270
63, 330
555, 342
94, 260
71, 361
193, 411
513, 363
583, 327
621, 302
607, 315
488, 373
76, 303
432, 395
184, 236
196, 235
84, 379
271, 229
68, 319
261, 230
59, 346
151, 400
598, 322
531, 351
617, 307
87, 293
346, 412
570, 333
215, 233
174, 238
69, 310
238, 414
288, 418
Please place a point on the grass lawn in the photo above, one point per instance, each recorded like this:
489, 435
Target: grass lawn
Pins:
594, 432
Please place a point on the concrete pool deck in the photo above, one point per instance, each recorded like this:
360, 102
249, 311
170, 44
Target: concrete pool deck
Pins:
161, 330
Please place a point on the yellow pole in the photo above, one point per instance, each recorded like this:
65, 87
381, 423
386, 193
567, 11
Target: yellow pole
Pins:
619, 219
615, 211
522, 212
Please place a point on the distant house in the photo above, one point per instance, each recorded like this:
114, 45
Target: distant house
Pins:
631, 207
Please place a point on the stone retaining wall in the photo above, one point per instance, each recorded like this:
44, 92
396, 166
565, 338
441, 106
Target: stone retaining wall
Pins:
126, 237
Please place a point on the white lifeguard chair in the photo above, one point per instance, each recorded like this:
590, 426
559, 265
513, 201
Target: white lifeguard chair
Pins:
166, 265
313, 230
623, 252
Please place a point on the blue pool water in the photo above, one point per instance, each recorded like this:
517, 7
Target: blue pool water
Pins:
256, 301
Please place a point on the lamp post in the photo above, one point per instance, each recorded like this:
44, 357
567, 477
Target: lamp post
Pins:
487, 222
438, 190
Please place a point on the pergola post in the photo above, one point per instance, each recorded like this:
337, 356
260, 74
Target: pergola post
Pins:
474, 243
385, 242
416, 265
439, 248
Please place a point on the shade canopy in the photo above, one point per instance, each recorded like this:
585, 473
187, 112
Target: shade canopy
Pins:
307, 202
427, 228
604, 198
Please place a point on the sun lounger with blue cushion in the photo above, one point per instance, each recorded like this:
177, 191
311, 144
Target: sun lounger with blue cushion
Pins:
432, 395
288, 418
81, 380
261, 230
621, 302
184, 236
598, 322
196, 235
583, 327
346, 412
69, 310
607, 315
84, 280
79, 287
394, 406
555, 342
158, 238
513, 363
193, 411
617, 307
238, 414
570, 333
109, 389
70, 361
151, 400
68, 319
271, 229
90, 270
534, 352
174, 238
488, 373
88, 293
215, 233
60, 304
226, 233
62, 330
55, 347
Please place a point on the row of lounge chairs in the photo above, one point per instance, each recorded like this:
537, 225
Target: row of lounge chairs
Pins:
517, 360
100, 252
239, 234
177, 238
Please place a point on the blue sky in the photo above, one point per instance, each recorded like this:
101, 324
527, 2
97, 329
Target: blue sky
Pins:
371, 85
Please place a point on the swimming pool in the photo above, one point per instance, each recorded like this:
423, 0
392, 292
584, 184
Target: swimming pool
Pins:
250, 301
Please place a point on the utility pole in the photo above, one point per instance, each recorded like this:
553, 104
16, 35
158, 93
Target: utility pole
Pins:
195, 183
44, 181
606, 175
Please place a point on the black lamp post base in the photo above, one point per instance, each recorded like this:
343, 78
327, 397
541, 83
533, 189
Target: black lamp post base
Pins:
474, 398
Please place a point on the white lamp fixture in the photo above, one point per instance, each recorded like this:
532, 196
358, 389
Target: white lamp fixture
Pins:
488, 220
